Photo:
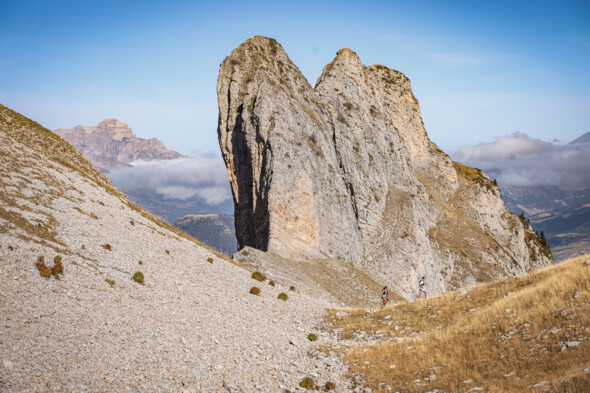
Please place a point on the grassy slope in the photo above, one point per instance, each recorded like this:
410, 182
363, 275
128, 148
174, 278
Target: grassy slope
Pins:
514, 326
48, 145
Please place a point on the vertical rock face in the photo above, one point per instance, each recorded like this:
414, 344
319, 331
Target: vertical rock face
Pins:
346, 170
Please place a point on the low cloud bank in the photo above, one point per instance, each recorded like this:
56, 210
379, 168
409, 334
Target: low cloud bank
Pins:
177, 179
519, 160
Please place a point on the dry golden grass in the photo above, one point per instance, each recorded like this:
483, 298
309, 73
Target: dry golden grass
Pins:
506, 336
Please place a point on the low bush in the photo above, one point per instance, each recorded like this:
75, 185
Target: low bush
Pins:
44, 271
138, 277
292, 287
57, 269
94, 216
57, 259
283, 296
110, 282
307, 383
210, 260
255, 291
312, 337
271, 283
258, 276
132, 222
329, 386
245, 253
107, 247
168, 252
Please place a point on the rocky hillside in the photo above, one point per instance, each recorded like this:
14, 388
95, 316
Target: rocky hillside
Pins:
346, 170
98, 295
215, 230
111, 143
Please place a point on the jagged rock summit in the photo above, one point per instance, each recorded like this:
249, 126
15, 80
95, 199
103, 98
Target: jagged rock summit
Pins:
111, 143
346, 170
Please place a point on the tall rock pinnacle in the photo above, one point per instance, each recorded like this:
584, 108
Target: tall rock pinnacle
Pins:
346, 170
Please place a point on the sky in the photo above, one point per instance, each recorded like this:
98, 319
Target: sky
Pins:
481, 71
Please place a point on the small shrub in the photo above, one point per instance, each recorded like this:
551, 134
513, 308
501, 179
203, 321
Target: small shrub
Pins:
258, 276
168, 252
57, 269
292, 287
11, 248
138, 277
132, 222
210, 260
283, 296
329, 386
245, 253
44, 271
83, 247
107, 247
110, 282
94, 216
255, 291
41, 259
271, 283
307, 383
312, 337
57, 259
140, 262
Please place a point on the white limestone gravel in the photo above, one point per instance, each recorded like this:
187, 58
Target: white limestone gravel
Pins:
192, 326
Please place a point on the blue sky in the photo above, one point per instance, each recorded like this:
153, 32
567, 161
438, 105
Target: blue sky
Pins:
481, 70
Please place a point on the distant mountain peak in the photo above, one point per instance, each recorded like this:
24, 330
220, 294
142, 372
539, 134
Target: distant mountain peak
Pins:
582, 139
112, 143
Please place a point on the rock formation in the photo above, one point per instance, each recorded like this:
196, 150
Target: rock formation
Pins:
111, 143
346, 170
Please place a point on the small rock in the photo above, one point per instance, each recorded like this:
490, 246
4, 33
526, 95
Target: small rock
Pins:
8, 365
292, 341
463, 293
391, 366
472, 309
587, 262
467, 381
538, 385
388, 388
509, 374
577, 295
507, 310
587, 370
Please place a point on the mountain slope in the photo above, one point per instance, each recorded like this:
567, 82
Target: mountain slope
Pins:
191, 325
111, 143
215, 230
346, 170
526, 334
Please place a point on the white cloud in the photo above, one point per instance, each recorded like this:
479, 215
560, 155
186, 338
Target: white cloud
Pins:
177, 179
518, 160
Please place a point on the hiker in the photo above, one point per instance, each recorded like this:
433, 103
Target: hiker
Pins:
384, 296
421, 289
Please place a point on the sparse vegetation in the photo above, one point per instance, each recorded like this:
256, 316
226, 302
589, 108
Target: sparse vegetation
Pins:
138, 277
283, 296
107, 247
140, 262
57, 269
312, 337
255, 291
329, 386
245, 253
474, 175
93, 216
271, 283
167, 252
110, 282
132, 223
44, 271
307, 383
210, 260
292, 287
518, 327
258, 276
